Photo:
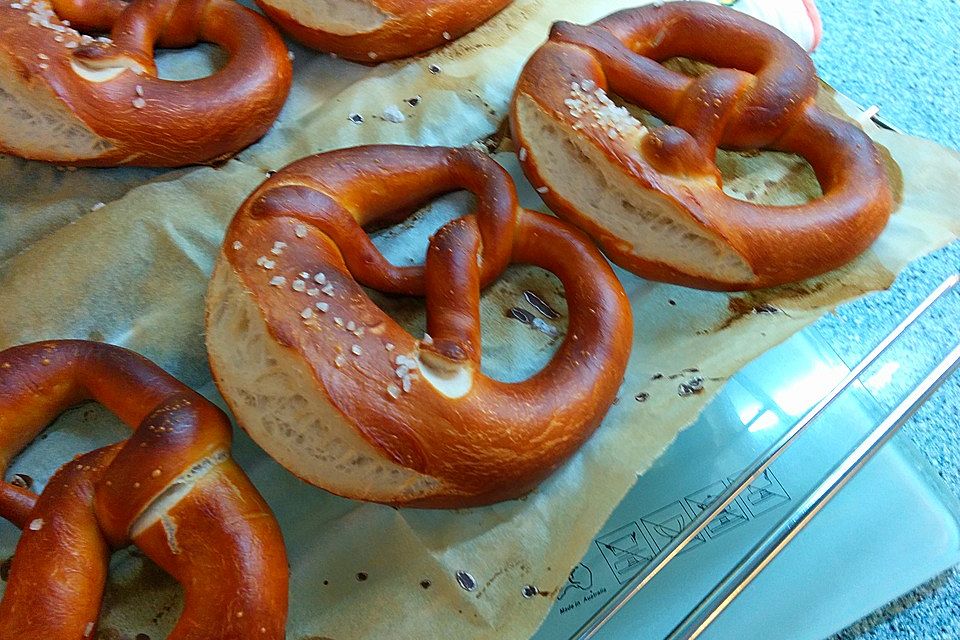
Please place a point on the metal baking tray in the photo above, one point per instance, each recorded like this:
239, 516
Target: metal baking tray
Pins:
893, 527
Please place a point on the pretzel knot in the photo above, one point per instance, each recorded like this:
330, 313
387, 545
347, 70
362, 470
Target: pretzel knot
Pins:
100, 98
171, 489
339, 393
653, 197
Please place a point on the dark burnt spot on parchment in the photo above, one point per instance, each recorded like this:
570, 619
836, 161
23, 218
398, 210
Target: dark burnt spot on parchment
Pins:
740, 307
863, 275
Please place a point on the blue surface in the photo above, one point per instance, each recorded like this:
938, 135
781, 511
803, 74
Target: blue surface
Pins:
904, 56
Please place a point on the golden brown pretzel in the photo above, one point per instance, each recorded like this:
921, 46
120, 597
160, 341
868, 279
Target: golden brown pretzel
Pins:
69, 98
372, 31
653, 198
335, 390
172, 489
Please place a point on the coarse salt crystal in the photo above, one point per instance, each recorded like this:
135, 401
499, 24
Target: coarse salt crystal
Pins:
446, 35
351, 325
323, 307
393, 391
237, 245
36, 525
339, 360
139, 103
98, 206
278, 247
543, 189
320, 278
278, 281
328, 289
313, 293
523, 154
299, 286
356, 350
307, 313
393, 114
389, 346
300, 230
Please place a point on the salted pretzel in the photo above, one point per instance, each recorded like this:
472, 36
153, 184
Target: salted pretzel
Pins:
653, 197
340, 394
68, 97
171, 489
372, 31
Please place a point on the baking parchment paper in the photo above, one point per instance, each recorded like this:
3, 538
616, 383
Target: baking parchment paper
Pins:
134, 271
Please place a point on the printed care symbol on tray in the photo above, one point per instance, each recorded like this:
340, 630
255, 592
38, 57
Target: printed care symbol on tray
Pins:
581, 577
764, 494
666, 523
626, 550
732, 516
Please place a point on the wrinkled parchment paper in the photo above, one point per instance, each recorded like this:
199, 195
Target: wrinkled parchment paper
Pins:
133, 271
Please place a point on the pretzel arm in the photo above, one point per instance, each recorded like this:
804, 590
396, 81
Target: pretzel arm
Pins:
213, 543
16, 504
56, 581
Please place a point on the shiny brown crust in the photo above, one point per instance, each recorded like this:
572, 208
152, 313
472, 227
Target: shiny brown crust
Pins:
145, 120
761, 96
219, 539
498, 440
413, 26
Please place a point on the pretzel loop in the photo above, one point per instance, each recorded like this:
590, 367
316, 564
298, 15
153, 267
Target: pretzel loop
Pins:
171, 488
761, 95
425, 403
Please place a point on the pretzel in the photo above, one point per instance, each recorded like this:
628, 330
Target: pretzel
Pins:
67, 97
652, 197
372, 31
344, 397
171, 489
